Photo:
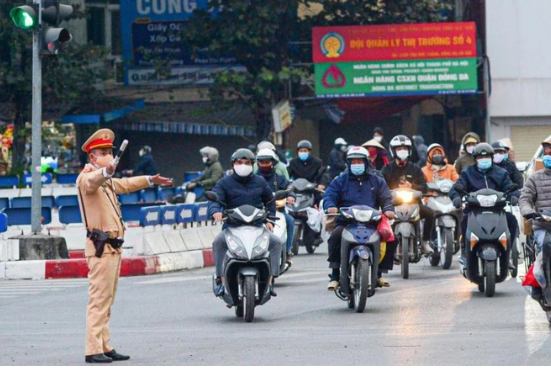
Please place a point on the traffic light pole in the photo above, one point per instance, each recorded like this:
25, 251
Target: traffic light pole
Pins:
36, 166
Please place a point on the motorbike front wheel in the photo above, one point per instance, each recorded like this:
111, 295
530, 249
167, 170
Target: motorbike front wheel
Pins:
446, 250
404, 244
363, 273
515, 255
489, 278
249, 298
296, 239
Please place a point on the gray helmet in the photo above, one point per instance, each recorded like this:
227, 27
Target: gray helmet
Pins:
304, 144
498, 146
243, 154
482, 149
210, 153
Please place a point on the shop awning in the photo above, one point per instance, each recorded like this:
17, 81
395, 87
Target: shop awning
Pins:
103, 113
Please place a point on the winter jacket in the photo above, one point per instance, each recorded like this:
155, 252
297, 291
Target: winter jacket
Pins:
412, 173
536, 194
349, 190
236, 191
276, 182
514, 173
146, 166
473, 179
312, 170
212, 174
337, 162
434, 173
465, 160
280, 169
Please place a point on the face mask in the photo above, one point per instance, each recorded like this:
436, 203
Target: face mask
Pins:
343, 148
141, 153
265, 169
303, 156
547, 161
378, 138
484, 163
470, 150
437, 160
205, 159
372, 153
498, 157
402, 155
103, 161
243, 170
506, 157
358, 169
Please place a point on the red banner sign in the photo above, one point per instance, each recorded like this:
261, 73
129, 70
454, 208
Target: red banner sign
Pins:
394, 42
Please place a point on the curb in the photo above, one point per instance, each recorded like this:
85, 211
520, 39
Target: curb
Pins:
76, 266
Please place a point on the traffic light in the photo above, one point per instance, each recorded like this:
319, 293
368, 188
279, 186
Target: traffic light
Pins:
53, 13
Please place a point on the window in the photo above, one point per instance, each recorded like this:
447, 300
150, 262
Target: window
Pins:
95, 25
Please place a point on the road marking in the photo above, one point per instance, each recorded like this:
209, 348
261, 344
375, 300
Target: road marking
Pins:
14, 288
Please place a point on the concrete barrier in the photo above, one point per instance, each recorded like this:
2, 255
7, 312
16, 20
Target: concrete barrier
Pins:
154, 243
206, 236
174, 241
191, 239
23, 270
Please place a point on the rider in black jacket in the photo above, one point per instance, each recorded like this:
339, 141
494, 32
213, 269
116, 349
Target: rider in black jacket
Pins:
500, 152
402, 173
305, 166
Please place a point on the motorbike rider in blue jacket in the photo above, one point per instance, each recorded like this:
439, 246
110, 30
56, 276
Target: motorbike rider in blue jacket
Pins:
359, 185
267, 160
241, 188
484, 175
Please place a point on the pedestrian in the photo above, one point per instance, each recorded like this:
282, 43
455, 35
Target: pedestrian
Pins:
101, 214
146, 166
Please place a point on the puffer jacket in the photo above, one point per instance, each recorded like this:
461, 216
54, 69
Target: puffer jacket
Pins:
212, 174
536, 193
434, 173
465, 160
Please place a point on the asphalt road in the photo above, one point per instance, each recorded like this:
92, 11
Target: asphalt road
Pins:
436, 317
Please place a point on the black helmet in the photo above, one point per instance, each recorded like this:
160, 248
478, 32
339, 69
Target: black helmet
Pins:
304, 144
242, 154
483, 149
498, 146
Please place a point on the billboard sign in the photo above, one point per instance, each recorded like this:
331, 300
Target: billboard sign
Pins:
151, 31
393, 60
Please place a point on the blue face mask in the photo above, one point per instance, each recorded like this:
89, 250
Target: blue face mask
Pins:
303, 156
484, 163
506, 157
547, 161
359, 169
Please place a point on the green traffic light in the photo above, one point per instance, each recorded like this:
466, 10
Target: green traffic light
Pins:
24, 17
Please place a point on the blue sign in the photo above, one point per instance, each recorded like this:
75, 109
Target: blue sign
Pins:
151, 31
45, 179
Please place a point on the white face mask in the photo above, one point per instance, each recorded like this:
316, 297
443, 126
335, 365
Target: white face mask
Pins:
498, 158
243, 170
141, 153
205, 159
470, 149
378, 138
402, 155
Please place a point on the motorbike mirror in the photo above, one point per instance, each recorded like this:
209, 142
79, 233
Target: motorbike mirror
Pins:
213, 197
280, 194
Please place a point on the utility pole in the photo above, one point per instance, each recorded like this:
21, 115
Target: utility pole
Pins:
36, 205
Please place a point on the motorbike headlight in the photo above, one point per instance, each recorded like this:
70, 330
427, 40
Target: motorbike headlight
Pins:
237, 249
281, 202
260, 248
487, 200
362, 216
406, 197
445, 186
546, 218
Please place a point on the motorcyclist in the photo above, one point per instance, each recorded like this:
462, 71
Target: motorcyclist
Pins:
379, 136
280, 168
305, 166
500, 152
402, 173
377, 153
469, 141
213, 170
484, 175
241, 188
421, 149
437, 167
337, 158
356, 186
266, 160
536, 195
146, 166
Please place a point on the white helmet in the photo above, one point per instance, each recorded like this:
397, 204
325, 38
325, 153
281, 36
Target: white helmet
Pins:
400, 141
267, 154
357, 152
265, 144
340, 142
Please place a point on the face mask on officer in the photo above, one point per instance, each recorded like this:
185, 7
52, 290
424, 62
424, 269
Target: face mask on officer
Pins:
498, 157
102, 158
402, 153
484, 163
243, 168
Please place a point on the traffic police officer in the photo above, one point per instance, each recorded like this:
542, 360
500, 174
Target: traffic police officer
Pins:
101, 214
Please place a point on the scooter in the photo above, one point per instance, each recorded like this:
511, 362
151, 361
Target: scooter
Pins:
246, 264
362, 243
487, 240
407, 229
307, 221
280, 230
447, 219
